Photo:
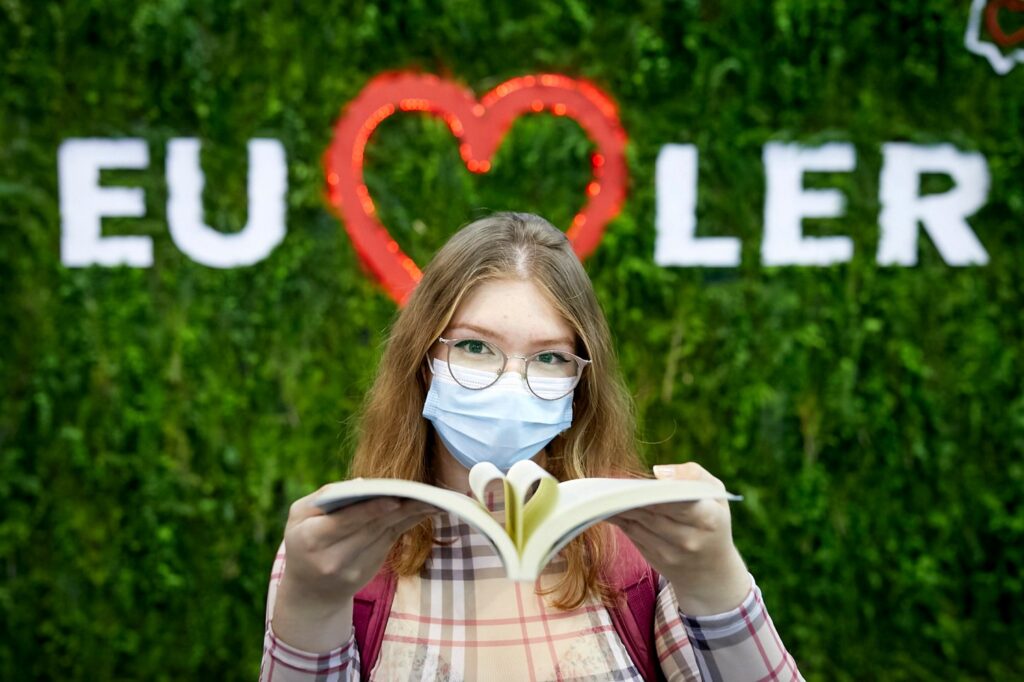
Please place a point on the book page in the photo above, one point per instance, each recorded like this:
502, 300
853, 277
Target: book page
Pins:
480, 477
530, 514
581, 503
337, 496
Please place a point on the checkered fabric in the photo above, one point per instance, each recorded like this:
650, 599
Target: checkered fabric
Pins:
460, 619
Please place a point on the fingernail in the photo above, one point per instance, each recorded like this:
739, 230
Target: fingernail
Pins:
664, 471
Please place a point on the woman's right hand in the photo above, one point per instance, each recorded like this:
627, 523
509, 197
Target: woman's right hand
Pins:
330, 557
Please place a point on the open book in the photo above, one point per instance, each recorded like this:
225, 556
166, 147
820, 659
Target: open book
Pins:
535, 528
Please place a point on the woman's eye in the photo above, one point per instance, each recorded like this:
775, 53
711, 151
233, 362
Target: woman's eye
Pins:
473, 346
552, 358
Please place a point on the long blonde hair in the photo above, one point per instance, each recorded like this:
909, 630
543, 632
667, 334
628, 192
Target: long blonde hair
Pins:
395, 441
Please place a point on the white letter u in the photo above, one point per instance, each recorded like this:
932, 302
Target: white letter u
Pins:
265, 229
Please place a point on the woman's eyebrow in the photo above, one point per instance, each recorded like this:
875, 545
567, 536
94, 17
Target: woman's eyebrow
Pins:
560, 341
563, 340
478, 330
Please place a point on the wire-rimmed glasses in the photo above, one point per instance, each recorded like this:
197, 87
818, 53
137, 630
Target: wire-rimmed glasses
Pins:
477, 364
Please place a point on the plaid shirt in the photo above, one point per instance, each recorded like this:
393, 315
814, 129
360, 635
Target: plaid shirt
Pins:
460, 619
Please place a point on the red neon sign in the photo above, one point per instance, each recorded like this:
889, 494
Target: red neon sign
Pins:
479, 127
992, 21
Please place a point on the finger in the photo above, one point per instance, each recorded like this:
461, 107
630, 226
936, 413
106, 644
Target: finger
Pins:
372, 544
701, 514
687, 471
673, 512
373, 548
356, 558
386, 533
306, 507
657, 522
376, 518
634, 514
303, 507
412, 520
676, 511
660, 525
650, 543
418, 506
408, 513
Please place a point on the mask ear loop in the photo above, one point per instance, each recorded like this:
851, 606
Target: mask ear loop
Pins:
427, 366
429, 361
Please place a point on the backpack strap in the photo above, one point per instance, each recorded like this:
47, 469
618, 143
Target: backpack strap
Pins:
370, 610
633, 615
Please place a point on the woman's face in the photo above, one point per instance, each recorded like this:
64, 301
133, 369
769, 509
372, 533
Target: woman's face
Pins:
513, 314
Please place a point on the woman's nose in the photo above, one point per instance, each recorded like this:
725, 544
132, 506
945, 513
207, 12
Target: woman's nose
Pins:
517, 365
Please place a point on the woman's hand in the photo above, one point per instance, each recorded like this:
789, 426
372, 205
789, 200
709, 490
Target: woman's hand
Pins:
330, 557
690, 543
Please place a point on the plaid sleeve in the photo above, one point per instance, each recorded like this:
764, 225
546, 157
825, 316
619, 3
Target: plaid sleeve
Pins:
285, 663
741, 644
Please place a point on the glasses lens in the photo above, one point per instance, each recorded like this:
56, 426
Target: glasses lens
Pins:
474, 363
552, 375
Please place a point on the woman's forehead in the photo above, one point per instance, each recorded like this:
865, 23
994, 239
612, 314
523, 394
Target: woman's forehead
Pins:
514, 311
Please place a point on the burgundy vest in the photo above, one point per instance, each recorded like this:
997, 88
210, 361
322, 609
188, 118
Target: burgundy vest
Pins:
633, 616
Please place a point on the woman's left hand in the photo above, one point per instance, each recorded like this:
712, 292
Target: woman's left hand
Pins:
690, 543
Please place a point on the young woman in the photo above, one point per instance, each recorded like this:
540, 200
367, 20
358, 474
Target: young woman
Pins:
502, 353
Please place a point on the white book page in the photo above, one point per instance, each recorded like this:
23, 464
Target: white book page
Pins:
583, 502
526, 516
339, 495
482, 475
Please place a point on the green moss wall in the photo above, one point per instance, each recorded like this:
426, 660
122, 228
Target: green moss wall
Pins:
156, 423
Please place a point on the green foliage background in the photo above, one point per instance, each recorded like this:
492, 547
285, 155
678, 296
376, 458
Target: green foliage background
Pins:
156, 423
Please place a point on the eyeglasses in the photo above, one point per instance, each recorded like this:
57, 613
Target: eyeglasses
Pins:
477, 364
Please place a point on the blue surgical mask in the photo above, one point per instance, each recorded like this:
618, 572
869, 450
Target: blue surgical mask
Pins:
504, 423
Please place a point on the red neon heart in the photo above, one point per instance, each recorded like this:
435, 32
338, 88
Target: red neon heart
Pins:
996, 29
479, 127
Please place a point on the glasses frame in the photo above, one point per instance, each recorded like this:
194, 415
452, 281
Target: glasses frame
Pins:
450, 343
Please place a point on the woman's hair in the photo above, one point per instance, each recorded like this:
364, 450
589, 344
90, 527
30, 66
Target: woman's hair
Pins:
395, 441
